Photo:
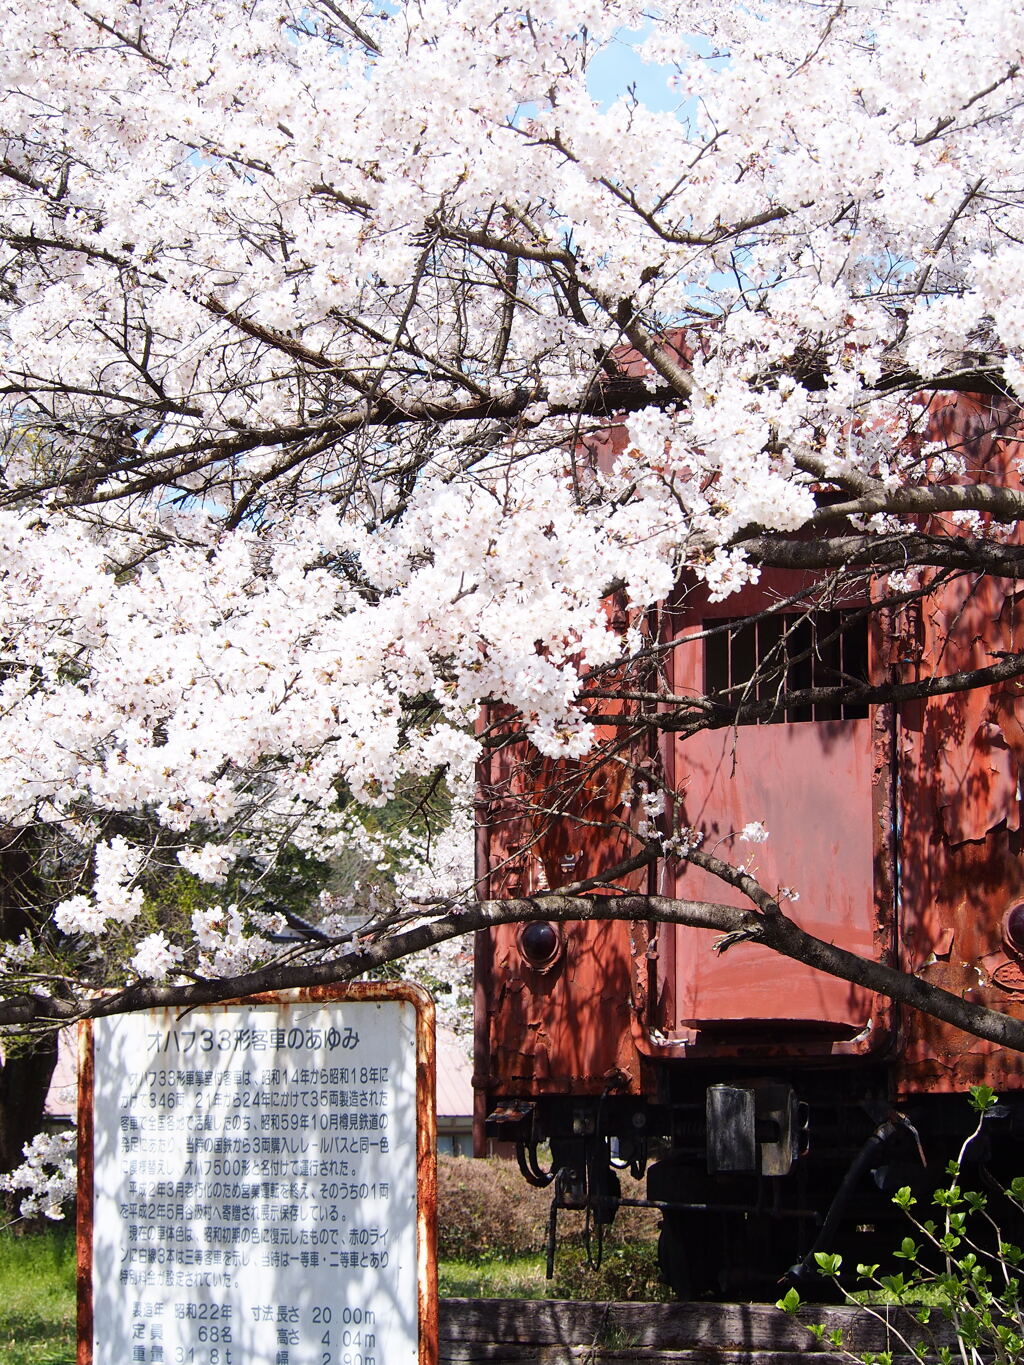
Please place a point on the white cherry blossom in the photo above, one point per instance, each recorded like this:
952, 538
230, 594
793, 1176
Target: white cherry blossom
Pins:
364, 373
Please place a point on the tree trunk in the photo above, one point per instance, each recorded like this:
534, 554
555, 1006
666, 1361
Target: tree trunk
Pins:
25, 1071
24, 1083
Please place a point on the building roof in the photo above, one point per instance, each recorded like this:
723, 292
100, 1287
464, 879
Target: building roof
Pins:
454, 1076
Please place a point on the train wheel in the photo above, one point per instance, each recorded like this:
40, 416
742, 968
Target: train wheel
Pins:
688, 1257
673, 1262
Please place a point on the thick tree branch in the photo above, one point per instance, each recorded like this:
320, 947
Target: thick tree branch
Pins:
1002, 503
896, 551
711, 713
776, 932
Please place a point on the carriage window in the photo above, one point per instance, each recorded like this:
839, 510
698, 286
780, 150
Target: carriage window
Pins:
758, 660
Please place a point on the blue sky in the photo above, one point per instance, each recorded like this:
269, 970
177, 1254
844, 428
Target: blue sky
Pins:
617, 66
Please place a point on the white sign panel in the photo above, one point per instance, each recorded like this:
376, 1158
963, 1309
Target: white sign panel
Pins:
255, 1196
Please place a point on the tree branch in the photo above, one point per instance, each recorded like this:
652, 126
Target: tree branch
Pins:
775, 932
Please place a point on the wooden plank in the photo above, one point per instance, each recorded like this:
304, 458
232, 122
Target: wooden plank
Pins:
498, 1353
668, 1326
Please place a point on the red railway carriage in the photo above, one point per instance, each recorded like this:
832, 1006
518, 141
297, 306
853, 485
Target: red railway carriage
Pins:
775, 1108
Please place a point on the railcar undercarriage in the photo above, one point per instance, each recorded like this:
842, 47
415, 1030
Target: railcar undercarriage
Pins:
753, 1175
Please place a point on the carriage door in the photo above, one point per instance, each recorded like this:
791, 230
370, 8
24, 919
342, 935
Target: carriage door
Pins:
813, 777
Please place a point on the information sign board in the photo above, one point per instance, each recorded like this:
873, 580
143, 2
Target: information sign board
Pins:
257, 1182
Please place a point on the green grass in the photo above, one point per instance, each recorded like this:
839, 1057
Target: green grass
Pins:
628, 1271
517, 1277
37, 1297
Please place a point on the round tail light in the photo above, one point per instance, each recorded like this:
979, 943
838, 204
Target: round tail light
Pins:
540, 944
1013, 930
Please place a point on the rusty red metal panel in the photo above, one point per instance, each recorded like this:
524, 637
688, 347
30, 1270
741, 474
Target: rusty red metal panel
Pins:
565, 1028
960, 763
813, 784
813, 792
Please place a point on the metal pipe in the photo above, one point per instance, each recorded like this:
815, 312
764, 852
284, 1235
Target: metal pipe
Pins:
860, 1163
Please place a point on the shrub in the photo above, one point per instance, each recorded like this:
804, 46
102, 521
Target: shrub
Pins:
486, 1210
960, 1283
628, 1272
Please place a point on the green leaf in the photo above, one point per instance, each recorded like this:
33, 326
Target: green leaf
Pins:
982, 1098
790, 1302
896, 1285
828, 1262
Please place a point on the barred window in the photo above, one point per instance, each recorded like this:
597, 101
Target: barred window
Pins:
758, 660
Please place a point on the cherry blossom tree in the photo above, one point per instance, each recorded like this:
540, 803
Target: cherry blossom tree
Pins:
365, 374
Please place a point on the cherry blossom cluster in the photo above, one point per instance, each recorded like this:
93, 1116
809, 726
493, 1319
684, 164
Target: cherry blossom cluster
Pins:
312, 331
46, 1179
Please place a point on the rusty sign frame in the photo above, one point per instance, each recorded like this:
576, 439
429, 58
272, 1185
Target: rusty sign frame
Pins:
426, 1141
